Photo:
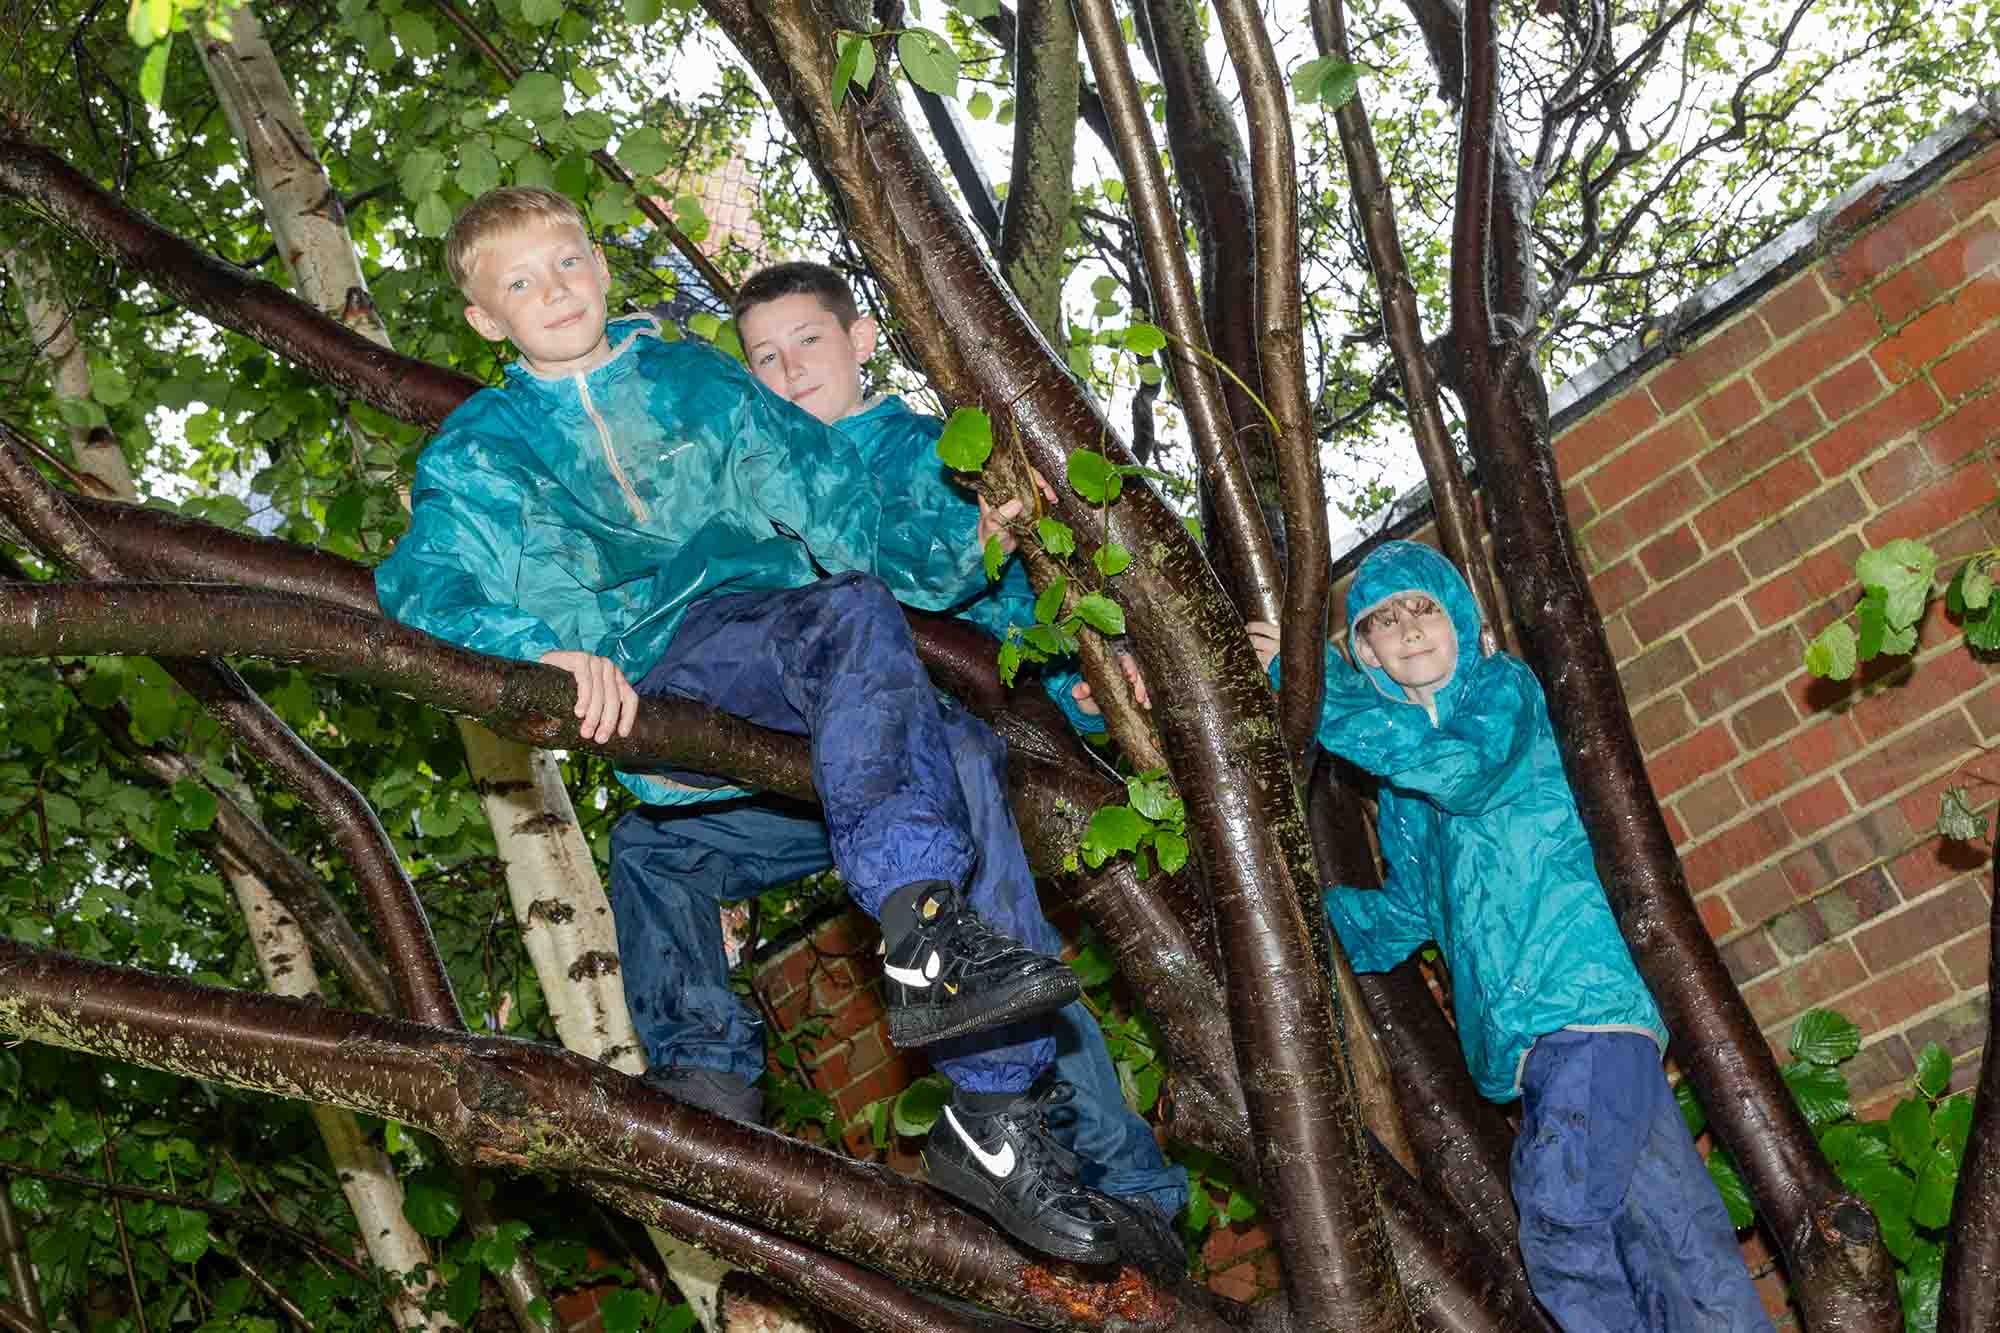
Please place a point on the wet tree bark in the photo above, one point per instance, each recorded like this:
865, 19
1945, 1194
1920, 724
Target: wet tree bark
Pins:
1972, 1256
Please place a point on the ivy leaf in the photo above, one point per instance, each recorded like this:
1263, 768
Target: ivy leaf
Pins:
1048, 603
1984, 634
929, 60
918, 1106
1057, 537
993, 555
1824, 1037
1111, 558
1910, 1132
644, 152
1933, 1070
1903, 570
1101, 613
1831, 654
1975, 585
1735, 1197
432, 1211
967, 441
153, 73
1092, 476
1956, 820
536, 97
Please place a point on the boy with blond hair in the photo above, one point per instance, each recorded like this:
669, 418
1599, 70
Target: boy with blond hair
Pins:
645, 516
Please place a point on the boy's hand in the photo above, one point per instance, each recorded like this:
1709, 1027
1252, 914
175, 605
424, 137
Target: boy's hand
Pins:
1264, 638
995, 522
1081, 690
605, 700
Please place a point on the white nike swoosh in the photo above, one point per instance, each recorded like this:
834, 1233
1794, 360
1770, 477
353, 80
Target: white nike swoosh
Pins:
909, 976
999, 1164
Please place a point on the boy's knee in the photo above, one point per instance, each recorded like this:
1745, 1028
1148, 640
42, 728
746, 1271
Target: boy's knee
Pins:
858, 591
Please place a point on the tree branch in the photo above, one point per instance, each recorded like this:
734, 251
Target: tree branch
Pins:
1047, 84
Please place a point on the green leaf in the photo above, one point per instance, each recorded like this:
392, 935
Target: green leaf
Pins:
153, 72
1871, 620
929, 60
433, 215
29, 1195
993, 555
1101, 613
977, 9
1692, 1113
432, 1211
1171, 848
108, 384
1831, 654
197, 805
591, 130
1049, 640
1889, 1190
849, 46
1903, 570
1113, 829
478, 169
644, 152
541, 13
1056, 536
1735, 1196
1952, 1122
1933, 1070
1984, 634
1241, 1207
1092, 476
967, 440
1820, 1091
415, 34
1048, 603
1327, 80
1111, 559
1104, 287
1956, 819
1143, 339
420, 173
1152, 795
186, 1235
536, 97
1975, 585
1852, 1144
1937, 1181
1920, 1283
1824, 1037
1009, 662
980, 105
1910, 1132
642, 12
624, 1310
1093, 967
918, 1106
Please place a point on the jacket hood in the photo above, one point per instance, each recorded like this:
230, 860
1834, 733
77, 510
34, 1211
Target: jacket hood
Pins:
1399, 567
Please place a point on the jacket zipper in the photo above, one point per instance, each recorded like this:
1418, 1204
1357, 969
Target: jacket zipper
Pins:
632, 500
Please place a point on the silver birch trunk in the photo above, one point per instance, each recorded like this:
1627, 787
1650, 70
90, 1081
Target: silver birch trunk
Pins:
52, 324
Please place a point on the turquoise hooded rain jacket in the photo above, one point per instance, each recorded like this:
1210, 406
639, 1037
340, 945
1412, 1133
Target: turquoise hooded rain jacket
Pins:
588, 512
1485, 851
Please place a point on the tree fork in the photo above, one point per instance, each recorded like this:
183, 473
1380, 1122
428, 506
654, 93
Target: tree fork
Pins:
1839, 1269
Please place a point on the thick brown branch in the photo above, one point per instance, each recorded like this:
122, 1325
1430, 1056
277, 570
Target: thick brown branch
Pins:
1972, 1260
22, 1286
1035, 226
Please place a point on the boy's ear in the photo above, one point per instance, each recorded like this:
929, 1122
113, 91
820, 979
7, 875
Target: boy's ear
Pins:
484, 324
1366, 651
861, 336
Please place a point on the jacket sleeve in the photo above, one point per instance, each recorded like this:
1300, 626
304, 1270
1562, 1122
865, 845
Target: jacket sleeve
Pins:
1461, 766
1379, 928
454, 572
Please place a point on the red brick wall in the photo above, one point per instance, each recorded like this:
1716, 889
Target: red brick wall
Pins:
1720, 499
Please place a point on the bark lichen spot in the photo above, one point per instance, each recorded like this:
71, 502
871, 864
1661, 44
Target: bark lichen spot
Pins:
596, 963
553, 911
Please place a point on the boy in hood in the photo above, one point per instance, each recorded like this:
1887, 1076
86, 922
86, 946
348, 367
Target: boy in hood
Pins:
1621, 1225
647, 517
807, 341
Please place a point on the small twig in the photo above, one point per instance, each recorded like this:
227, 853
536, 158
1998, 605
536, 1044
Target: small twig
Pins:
265, 1285
124, 1240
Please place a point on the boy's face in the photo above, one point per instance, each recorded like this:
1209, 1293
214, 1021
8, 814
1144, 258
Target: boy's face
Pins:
542, 287
1410, 637
797, 348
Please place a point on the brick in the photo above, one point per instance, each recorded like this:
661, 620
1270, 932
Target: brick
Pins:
1960, 1030
1972, 369
1913, 755
1660, 667
1649, 458
1974, 185
1818, 521
1738, 848
1985, 710
1757, 501
1904, 293
1797, 933
1884, 1063
1749, 956
1811, 752
1687, 761
1761, 897
1888, 245
1794, 305
1968, 962
1661, 723
1933, 508
1853, 847
1933, 862
1903, 411
1624, 647
1614, 588
1818, 807
1604, 432
1766, 662
1763, 720
1667, 500
1720, 634
1828, 344
1899, 997
1715, 357
1856, 899
1915, 692
1810, 983
1897, 473
1679, 602
1930, 335
1957, 436
1848, 389
885, 1080
1964, 257
1708, 805
1716, 918
1670, 554
1760, 444
1729, 409
1577, 507
1925, 924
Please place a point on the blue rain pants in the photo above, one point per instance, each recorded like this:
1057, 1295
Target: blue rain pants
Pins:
1621, 1226
672, 866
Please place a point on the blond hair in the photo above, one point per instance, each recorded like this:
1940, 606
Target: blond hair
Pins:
498, 213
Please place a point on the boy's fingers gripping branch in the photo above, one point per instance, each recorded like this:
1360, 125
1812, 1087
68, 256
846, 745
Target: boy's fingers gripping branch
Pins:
606, 703
995, 523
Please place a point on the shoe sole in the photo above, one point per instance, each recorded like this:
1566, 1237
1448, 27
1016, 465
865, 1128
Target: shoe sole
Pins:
972, 1188
912, 1026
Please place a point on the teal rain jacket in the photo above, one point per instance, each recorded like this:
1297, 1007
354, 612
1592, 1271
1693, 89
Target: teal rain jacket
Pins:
900, 447
1485, 850
588, 512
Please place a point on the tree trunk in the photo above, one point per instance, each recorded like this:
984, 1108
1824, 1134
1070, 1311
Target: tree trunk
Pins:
1972, 1255
1047, 84
52, 324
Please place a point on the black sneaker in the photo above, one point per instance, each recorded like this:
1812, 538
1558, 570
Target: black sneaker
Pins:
715, 1090
949, 973
1148, 1239
1004, 1164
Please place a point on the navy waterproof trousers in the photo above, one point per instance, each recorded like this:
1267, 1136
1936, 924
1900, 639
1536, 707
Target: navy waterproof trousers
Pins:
1621, 1226
913, 788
